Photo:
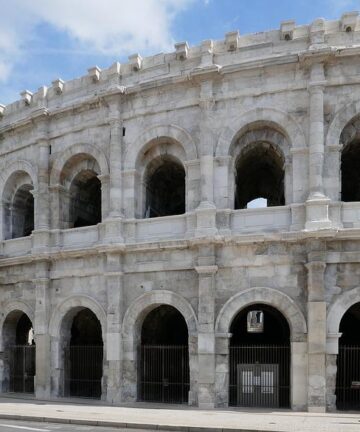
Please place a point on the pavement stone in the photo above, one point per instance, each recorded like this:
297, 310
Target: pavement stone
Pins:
176, 418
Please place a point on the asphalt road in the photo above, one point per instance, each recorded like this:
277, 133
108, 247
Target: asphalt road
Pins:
20, 426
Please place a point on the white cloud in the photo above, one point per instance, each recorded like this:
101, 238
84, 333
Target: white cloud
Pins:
115, 27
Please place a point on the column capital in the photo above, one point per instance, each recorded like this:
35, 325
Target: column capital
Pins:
206, 270
315, 265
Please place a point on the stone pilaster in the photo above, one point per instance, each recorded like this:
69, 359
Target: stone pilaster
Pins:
43, 208
41, 194
114, 291
115, 214
206, 212
206, 336
317, 204
316, 308
42, 337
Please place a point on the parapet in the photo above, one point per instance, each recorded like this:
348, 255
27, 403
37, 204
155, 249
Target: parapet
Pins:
141, 73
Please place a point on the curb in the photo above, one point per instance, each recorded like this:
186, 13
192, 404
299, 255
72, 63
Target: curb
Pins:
115, 424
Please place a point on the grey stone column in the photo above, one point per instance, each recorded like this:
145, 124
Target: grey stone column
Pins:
206, 336
41, 194
316, 308
115, 168
206, 212
317, 204
42, 221
42, 337
114, 291
115, 215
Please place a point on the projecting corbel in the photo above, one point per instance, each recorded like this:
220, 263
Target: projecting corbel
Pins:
135, 61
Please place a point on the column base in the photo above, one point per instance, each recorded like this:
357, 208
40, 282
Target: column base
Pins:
41, 241
113, 231
314, 409
317, 213
206, 220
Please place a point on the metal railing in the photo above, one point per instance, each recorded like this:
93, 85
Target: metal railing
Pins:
348, 378
22, 368
83, 370
260, 376
164, 374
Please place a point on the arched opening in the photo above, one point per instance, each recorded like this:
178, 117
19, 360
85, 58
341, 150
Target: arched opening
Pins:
164, 187
23, 212
350, 173
348, 361
83, 356
350, 159
259, 175
164, 357
85, 192
19, 353
18, 206
259, 358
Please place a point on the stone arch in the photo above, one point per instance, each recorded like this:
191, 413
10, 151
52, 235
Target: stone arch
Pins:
76, 302
281, 120
13, 314
341, 118
12, 306
143, 304
339, 308
87, 149
17, 166
334, 147
60, 333
154, 133
268, 296
132, 322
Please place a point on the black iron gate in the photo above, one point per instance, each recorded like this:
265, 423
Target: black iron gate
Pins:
164, 374
260, 376
83, 371
22, 368
348, 378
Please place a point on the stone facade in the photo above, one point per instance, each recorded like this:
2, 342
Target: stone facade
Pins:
295, 90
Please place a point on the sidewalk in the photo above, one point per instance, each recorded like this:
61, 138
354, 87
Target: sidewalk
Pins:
175, 418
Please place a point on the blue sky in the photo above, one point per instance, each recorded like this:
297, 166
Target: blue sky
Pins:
41, 40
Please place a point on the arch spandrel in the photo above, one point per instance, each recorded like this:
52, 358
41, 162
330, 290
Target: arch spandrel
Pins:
268, 296
154, 133
267, 116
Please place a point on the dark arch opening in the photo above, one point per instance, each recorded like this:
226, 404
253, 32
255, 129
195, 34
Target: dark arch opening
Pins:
259, 174
260, 358
85, 199
19, 350
165, 188
350, 173
348, 361
164, 357
84, 356
23, 212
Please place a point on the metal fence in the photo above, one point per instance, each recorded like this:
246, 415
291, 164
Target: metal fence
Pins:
22, 368
164, 374
260, 376
83, 371
348, 378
